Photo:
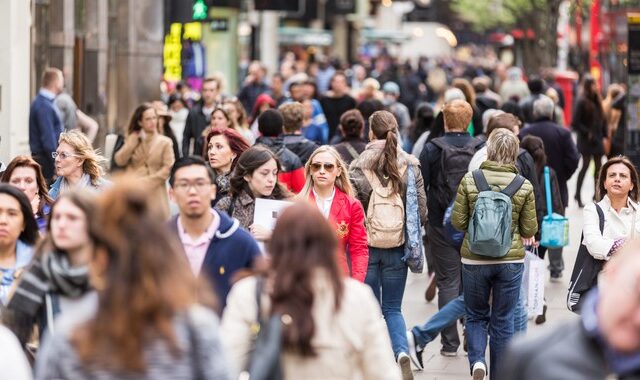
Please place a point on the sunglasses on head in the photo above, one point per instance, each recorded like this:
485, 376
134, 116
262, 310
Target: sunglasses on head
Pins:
316, 166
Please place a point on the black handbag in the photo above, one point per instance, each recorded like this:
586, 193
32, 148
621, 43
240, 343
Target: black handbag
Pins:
264, 363
585, 271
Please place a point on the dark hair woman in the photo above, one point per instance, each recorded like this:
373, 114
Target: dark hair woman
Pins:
57, 282
148, 155
384, 168
590, 124
146, 322
421, 128
323, 312
352, 144
222, 149
20, 233
26, 174
255, 176
617, 199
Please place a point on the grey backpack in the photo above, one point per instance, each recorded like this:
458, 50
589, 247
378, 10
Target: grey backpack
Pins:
489, 231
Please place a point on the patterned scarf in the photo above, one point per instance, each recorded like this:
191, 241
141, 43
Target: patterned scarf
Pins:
53, 273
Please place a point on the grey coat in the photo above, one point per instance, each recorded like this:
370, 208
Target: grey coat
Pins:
566, 352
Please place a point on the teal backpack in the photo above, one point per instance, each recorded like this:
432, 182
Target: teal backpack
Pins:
489, 231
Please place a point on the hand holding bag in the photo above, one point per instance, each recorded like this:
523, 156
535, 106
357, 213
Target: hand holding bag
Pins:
555, 228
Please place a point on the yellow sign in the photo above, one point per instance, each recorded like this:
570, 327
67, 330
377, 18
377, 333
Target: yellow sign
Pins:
172, 53
192, 31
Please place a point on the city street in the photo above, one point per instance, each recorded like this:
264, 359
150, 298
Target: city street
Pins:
416, 310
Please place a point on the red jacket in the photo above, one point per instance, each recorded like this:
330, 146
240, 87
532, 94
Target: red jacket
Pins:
347, 216
293, 180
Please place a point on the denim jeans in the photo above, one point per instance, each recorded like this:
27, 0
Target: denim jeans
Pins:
497, 319
521, 317
446, 316
387, 276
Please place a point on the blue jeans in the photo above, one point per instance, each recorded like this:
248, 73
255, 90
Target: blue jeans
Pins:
446, 316
521, 318
497, 319
387, 276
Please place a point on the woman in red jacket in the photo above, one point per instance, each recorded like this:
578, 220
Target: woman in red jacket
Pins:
328, 185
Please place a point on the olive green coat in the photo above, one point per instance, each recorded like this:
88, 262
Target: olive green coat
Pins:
524, 222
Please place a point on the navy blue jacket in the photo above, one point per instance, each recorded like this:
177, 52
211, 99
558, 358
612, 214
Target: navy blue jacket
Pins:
562, 153
45, 126
231, 249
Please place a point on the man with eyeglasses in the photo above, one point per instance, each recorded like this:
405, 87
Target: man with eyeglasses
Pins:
215, 245
603, 344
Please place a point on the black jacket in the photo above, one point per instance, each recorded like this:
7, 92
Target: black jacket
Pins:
430, 167
299, 145
196, 123
589, 123
562, 153
289, 160
566, 352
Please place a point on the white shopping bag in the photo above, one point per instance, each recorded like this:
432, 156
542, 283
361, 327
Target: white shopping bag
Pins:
534, 280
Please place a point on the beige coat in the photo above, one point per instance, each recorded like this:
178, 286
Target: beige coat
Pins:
150, 160
351, 343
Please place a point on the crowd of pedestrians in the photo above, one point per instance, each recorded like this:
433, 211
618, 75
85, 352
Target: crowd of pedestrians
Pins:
162, 267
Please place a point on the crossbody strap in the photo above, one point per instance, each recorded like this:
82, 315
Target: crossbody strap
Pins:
352, 151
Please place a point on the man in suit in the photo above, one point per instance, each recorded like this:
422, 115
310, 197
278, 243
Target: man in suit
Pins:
45, 122
562, 153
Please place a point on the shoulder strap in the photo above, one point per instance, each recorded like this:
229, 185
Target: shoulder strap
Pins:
600, 217
352, 151
371, 177
513, 187
439, 142
232, 205
480, 180
259, 287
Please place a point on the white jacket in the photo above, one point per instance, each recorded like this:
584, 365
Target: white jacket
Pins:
616, 226
350, 343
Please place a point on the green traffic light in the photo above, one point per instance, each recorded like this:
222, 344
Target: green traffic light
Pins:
199, 10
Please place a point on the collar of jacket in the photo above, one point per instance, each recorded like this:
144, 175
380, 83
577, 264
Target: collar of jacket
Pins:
273, 143
496, 167
245, 198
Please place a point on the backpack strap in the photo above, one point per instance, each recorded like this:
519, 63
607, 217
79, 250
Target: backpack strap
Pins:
480, 180
513, 187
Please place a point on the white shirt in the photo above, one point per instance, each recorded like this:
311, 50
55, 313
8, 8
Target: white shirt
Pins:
478, 159
324, 205
12, 360
616, 226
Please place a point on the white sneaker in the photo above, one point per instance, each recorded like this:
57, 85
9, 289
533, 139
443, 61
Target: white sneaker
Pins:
415, 353
479, 371
405, 366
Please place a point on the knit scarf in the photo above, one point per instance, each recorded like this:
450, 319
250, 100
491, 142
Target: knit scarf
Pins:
53, 273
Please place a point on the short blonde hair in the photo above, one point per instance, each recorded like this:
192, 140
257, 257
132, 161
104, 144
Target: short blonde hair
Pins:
84, 150
503, 147
293, 116
457, 115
